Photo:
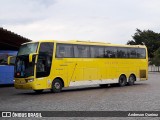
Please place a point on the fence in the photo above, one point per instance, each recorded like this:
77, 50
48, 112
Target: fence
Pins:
153, 68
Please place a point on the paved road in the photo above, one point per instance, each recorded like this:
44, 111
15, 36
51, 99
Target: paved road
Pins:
143, 96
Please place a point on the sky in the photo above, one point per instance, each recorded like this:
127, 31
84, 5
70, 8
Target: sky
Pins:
113, 21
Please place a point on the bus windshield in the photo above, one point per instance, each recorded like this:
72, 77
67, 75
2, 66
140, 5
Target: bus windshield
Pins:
23, 68
26, 49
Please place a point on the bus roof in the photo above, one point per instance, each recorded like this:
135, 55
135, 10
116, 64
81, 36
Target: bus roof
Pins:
89, 43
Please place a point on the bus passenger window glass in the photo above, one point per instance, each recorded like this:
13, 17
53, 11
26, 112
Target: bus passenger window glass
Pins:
110, 52
141, 53
97, 52
81, 51
122, 52
101, 52
64, 51
132, 53
94, 51
44, 59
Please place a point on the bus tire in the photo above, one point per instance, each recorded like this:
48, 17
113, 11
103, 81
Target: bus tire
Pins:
122, 80
56, 86
38, 91
131, 80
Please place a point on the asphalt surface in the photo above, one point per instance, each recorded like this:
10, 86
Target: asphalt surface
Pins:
143, 96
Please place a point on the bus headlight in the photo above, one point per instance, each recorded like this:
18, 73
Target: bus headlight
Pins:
29, 80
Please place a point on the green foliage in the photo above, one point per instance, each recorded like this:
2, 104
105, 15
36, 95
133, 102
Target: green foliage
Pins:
156, 59
148, 38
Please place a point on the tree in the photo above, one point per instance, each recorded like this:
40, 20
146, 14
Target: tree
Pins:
148, 38
156, 59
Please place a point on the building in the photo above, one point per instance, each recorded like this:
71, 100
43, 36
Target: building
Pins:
10, 40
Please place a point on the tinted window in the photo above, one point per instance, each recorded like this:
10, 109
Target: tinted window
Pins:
101, 52
81, 51
97, 52
110, 52
122, 52
94, 51
141, 53
44, 59
64, 51
132, 53
3, 58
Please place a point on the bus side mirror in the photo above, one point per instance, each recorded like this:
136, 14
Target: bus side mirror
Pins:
11, 60
31, 56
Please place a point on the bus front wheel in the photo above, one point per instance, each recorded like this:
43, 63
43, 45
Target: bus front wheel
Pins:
56, 86
122, 80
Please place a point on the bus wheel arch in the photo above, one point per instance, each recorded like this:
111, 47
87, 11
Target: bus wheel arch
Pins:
122, 80
131, 79
57, 85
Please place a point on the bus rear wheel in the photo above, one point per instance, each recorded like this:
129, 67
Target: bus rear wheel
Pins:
122, 80
131, 80
56, 86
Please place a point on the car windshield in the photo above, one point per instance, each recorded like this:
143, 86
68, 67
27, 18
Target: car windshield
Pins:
28, 48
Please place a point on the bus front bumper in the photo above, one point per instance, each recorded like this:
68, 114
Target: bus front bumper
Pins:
21, 83
24, 86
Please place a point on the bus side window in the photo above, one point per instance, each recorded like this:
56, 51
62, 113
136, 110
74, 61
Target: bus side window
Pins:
93, 51
64, 51
141, 53
40, 65
101, 52
61, 53
81, 51
44, 59
132, 53
3, 59
108, 52
122, 52
111, 52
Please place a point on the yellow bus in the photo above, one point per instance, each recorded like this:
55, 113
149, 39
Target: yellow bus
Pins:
52, 64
